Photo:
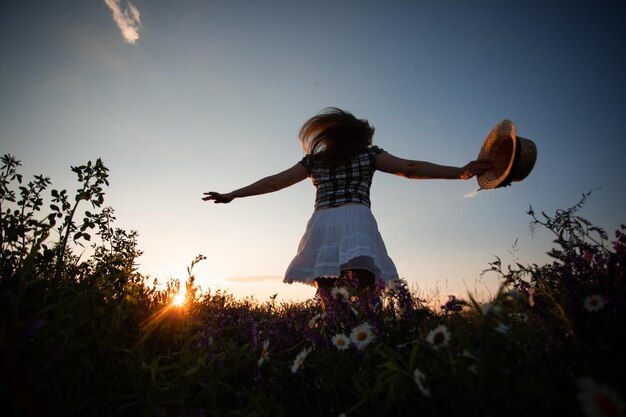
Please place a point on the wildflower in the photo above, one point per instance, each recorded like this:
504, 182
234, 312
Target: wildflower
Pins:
406, 303
340, 293
499, 326
598, 400
265, 356
452, 305
520, 317
420, 379
531, 296
299, 360
438, 337
473, 368
494, 312
391, 287
316, 319
488, 308
388, 293
362, 335
341, 341
593, 303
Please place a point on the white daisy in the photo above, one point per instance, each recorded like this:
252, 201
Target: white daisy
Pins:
520, 317
493, 312
598, 400
316, 319
594, 303
420, 379
299, 360
498, 325
472, 367
488, 308
362, 335
340, 293
439, 336
341, 341
265, 356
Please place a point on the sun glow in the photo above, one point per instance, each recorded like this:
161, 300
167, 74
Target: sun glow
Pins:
179, 299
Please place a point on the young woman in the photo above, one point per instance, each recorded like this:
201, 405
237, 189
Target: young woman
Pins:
342, 238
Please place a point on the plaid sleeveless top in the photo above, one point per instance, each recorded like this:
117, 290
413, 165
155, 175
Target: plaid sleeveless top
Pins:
348, 183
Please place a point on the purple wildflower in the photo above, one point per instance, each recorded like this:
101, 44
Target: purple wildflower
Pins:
453, 305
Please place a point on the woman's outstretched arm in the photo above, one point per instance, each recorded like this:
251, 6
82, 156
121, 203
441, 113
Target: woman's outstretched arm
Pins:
265, 185
427, 170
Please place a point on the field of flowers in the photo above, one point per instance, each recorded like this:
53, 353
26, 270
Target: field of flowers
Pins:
93, 337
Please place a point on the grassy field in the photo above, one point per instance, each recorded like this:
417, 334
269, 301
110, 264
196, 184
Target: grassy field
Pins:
95, 338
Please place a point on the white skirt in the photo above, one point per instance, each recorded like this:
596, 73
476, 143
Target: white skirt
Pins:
337, 239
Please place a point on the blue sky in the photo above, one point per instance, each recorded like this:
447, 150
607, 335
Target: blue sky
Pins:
179, 98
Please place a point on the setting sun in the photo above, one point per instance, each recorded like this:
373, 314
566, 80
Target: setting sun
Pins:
179, 299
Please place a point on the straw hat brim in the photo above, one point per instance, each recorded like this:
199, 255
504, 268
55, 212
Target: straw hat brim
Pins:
513, 157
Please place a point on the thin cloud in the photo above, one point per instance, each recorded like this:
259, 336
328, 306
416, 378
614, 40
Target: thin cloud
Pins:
254, 279
472, 194
127, 18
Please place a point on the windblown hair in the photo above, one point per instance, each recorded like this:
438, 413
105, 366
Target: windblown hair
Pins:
334, 136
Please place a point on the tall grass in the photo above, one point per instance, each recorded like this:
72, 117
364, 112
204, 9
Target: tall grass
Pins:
93, 337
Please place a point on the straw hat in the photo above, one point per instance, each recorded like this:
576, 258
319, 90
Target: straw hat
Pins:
513, 157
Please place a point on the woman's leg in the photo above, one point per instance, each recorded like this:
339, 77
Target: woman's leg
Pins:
325, 282
361, 279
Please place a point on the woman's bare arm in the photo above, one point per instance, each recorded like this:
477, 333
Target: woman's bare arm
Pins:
265, 185
427, 170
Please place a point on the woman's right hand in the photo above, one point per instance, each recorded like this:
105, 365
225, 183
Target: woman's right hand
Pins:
218, 198
477, 167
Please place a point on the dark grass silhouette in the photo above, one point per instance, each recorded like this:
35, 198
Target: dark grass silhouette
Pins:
95, 337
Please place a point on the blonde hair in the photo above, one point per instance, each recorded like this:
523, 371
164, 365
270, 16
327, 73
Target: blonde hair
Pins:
334, 136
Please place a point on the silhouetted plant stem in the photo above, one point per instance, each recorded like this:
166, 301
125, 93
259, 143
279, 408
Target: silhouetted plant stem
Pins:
92, 176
